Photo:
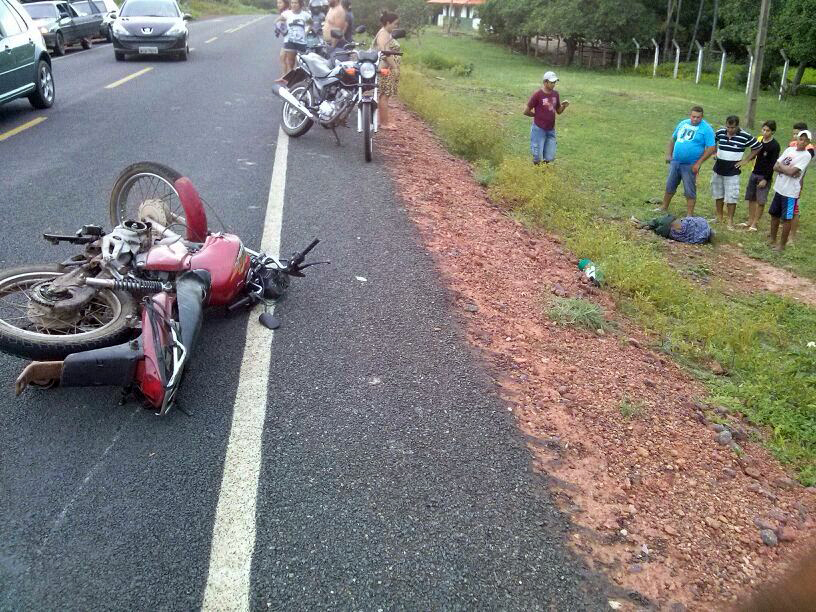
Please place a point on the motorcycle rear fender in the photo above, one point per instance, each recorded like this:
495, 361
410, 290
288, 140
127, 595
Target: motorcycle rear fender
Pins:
295, 76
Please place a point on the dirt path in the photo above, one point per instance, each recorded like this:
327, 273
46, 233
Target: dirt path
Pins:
739, 272
658, 504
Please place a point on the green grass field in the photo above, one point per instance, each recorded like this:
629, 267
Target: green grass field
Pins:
616, 130
610, 161
210, 8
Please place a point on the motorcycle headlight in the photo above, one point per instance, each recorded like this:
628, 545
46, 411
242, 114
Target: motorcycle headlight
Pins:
367, 70
119, 29
179, 28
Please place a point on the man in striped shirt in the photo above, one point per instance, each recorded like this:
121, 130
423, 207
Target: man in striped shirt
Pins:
731, 141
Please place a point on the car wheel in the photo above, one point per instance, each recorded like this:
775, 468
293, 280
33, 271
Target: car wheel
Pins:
43, 96
86, 43
119, 55
182, 55
59, 46
109, 34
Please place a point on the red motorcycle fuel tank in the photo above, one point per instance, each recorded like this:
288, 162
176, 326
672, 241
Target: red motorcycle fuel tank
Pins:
222, 255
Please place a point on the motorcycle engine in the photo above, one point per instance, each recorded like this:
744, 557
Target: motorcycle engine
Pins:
331, 110
124, 242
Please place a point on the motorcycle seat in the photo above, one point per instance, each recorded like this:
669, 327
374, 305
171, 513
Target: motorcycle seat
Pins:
317, 65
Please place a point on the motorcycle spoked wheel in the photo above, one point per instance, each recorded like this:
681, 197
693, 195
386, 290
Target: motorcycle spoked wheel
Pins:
148, 189
104, 321
368, 132
293, 122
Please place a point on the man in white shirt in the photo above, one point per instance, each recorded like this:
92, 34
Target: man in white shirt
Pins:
789, 168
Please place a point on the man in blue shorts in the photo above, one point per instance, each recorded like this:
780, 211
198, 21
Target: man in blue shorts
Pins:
692, 143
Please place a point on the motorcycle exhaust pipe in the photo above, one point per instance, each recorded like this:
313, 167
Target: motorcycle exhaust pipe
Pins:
286, 95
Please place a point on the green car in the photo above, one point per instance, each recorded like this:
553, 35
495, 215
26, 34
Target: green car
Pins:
25, 66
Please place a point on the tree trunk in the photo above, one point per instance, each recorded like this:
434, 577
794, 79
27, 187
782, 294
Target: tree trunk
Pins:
667, 41
714, 22
571, 45
677, 17
450, 16
797, 78
696, 26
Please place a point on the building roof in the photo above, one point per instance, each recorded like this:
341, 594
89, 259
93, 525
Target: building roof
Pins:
456, 2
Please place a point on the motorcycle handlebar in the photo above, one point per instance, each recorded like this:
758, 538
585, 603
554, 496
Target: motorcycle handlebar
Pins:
391, 52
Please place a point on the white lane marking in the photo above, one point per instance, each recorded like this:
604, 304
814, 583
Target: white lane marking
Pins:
77, 53
207, 42
233, 541
243, 25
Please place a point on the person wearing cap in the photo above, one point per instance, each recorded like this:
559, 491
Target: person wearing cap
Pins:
790, 167
798, 127
692, 143
543, 106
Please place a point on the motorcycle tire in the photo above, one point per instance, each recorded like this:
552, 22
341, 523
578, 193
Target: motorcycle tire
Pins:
301, 92
120, 210
47, 347
368, 133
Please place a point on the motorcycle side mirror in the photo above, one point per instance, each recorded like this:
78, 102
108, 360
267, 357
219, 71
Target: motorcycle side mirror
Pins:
361, 29
335, 33
269, 321
187, 17
398, 34
349, 46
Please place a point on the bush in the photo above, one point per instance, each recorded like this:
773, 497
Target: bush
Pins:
437, 61
578, 312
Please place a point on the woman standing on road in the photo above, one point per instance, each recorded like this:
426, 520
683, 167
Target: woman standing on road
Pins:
296, 19
280, 30
384, 41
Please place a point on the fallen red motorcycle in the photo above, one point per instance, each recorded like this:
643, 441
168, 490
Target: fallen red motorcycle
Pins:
127, 311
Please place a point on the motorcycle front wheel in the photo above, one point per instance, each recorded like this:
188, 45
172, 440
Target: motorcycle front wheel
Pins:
368, 133
294, 122
32, 332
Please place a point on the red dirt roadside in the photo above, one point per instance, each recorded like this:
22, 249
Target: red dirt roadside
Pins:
658, 504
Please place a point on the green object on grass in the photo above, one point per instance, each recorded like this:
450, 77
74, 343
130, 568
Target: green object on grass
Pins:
591, 271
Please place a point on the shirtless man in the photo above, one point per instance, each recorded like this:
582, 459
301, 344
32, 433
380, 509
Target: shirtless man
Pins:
335, 20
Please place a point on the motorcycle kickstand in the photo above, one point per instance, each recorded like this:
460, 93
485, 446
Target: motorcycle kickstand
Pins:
336, 137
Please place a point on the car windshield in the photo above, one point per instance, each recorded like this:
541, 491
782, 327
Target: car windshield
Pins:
83, 8
41, 11
149, 8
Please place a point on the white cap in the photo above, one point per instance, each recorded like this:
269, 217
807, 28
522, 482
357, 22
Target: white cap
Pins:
550, 76
805, 132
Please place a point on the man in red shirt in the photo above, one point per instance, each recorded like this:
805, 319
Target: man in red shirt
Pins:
543, 106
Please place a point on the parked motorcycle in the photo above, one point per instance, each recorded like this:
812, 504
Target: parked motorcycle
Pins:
326, 91
127, 310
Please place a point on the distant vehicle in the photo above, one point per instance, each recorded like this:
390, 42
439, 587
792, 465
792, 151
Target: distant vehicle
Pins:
61, 25
150, 27
25, 66
97, 10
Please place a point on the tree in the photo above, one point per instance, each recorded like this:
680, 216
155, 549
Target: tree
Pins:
795, 31
576, 20
413, 14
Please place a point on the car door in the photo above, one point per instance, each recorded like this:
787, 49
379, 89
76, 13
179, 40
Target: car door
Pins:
84, 23
16, 52
66, 23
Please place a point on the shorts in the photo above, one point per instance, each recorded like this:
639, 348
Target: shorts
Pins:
678, 172
292, 46
725, 187
753, 193
783, 207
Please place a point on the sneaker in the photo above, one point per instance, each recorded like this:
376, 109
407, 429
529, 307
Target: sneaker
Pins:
742, 225
751, 228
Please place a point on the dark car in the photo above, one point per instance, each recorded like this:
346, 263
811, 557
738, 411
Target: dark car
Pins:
150, 27
25, 66
61, 25
97, 11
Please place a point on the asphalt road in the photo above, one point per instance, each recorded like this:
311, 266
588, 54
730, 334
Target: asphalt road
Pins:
391, 476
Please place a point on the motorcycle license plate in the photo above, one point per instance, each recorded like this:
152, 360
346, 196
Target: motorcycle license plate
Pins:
149, 50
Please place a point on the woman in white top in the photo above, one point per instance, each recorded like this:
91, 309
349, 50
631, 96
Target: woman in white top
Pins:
296, 19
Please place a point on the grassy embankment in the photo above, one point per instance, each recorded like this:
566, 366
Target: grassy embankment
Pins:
211, 8
610, 160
